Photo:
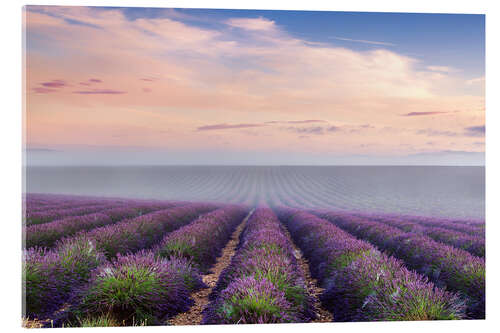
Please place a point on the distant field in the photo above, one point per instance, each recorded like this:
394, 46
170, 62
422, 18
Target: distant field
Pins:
94, 261
456, 192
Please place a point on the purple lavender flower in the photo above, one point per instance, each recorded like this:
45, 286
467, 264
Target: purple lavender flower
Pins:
50, 275
264, 257
140, 288
202, 240
250, 301
70, 263
143, 231
377, 287
47, 234
471, 238
357, 276
446, 265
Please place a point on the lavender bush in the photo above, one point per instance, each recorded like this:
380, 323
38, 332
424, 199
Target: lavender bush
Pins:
377, 287
57, 272
202, 240
357, 277
446, 265
137, 288
470, 243
50, 215
251, 301
50, 275
144, 231
265, 263
441, 230
47, 234
470, 227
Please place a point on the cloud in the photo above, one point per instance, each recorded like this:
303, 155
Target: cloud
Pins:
442, 69
333, 129
99, 92
296, 121
54, 84
226, 126
252, 24
475, 130
41, 90
412, 114
95, 80
434, 132
363, 41
307, 130
317, 130
477, 80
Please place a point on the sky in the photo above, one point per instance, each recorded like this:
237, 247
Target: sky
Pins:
195, 86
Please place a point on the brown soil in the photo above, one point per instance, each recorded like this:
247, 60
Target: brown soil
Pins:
322, 315
31, 323
193, 316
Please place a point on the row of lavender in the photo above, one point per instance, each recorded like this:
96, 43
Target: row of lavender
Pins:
50, 275
151, 286
447, 266
31, 208
39, 200
363, 284
469, 237
43, 208
44, 216
263, 283
51, 213
46, 234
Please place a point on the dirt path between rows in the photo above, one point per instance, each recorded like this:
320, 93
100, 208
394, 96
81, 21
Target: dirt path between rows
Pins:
194, 315
323, 315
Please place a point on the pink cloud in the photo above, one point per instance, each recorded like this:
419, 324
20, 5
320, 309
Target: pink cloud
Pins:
99, 92
226, 126
432, 113
54, 84
296, 121
95, 80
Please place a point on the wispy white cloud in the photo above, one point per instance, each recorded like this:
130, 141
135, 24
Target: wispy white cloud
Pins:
443, 69
254, 24
363, 41
477, 80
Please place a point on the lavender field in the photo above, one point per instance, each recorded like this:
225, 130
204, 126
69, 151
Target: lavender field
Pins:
434, 191
202, 166
108, 261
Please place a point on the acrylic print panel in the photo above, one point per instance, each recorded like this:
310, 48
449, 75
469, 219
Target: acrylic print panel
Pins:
203, 166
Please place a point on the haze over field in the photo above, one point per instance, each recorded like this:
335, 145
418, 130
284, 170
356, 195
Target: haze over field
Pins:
446, 191
128, 86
